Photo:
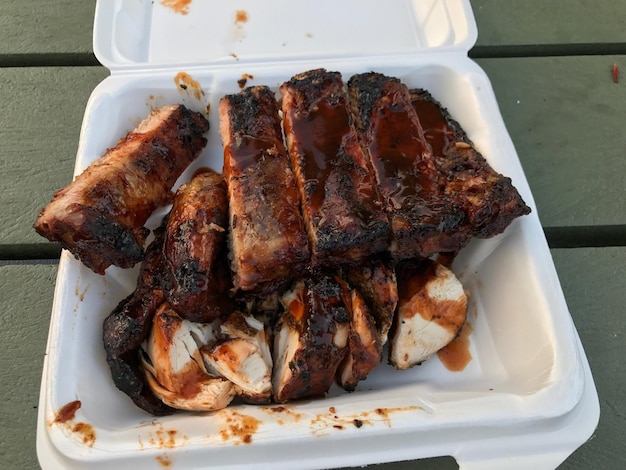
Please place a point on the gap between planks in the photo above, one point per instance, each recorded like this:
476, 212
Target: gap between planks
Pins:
88, 59
558, 237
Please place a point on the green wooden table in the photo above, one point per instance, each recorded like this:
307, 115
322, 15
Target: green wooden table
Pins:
550, 65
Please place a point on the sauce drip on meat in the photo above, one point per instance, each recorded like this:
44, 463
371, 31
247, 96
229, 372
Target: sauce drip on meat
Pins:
402, 160
437, 133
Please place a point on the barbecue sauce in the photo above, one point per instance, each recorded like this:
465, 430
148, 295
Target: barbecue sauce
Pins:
437, 133
413, 280
456, 355
329, 155
400, 156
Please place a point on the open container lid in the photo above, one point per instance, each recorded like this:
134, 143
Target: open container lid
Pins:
536, 419
131, 34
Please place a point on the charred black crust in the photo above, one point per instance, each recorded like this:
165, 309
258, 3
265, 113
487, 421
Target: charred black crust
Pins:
370, 86
499, 202
116, 243
309, 83
129, 378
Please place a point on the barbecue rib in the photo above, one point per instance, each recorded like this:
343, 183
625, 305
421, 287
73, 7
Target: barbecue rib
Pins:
129, 325
268, 243
375, 279
197, 280
364, 346
423, 221
341, 205
311, 339
99, 217
489, 200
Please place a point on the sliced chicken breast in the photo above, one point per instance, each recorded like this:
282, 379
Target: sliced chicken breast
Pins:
431, 311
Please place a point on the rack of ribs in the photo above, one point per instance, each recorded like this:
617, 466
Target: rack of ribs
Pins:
343, 213
423, 220
267, 240
100, 216
489, 200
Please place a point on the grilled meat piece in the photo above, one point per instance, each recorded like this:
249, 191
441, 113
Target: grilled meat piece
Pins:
129, 325
364, 346
197, 281
311, 339
243, 356
431, 312
375, 280
489, 200
99, 217
423, 220
268, 243
174, 367
342, 209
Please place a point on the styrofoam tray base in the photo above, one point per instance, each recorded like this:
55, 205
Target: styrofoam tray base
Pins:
527, 391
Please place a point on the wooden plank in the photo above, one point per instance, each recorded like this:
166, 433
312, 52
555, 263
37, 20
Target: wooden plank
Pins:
593, 283
536, 22
25, 303
65, 26
34, 27
40, 119
565, 117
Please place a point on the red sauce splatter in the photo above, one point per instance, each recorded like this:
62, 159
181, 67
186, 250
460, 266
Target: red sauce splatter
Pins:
244, 79
240, 427
184, 81
65, 417
67, 412
86, 431
164, 460
241, 16
178, 6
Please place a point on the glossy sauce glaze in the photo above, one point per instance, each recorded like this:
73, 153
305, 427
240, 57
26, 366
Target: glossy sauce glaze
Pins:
339, 194
267, 238
436, 131
328, 147
399, 154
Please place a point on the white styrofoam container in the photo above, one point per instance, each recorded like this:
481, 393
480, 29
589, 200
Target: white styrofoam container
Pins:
527, 398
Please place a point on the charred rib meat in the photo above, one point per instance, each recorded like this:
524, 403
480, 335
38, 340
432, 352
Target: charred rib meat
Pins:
268, 243
99, 217
489, 200
375, 280
197, 280
344, 217
423, 221
129, 325
311, 339
364, 345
